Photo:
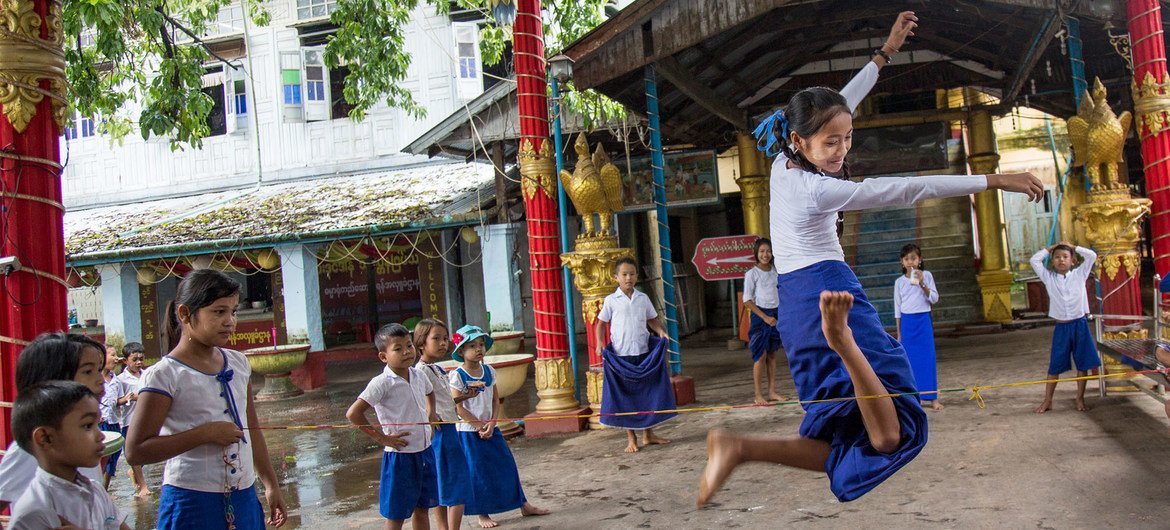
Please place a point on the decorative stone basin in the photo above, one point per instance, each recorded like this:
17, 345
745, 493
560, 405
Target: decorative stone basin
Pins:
277, 364
511, 372
506, 343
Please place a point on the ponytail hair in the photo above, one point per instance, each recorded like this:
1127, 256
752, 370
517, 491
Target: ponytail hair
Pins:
807, 111
199, 289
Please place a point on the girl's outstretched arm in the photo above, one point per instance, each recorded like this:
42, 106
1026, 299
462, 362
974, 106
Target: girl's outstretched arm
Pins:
272, 494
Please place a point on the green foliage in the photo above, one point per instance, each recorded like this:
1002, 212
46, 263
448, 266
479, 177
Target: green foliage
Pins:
144, 70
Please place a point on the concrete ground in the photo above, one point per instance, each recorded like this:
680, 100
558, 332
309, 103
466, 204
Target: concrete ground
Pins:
999, 467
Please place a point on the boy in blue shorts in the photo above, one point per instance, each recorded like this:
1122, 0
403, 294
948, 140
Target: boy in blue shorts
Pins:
1068, 303
403, 398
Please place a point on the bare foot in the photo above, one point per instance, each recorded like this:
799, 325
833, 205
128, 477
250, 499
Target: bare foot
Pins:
722, 457
529, 510
835, 320
1081, 406
777, 397
653, 439
1044, 407
937, 405
142, 493
760, 400
486, 521
632, 447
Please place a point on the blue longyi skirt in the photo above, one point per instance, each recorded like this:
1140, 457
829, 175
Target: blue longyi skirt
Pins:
853, 466
184, 509
762, 338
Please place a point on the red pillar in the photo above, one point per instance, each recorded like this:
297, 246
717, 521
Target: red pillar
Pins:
31, 220
1148, 48
554, 376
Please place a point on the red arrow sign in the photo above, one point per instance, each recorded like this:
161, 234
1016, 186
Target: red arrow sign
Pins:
724, 258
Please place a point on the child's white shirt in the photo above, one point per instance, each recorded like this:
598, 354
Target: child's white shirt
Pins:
804, 205
1067, 297
759, 287
444, 403
128, 383
627, 316
196, 399
396, 400
17, 470
48, 498
108, 404
481, 404
909, 298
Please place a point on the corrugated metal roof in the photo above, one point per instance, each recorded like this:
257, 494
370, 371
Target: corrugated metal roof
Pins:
434, 194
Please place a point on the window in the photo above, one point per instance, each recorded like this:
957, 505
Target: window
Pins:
213, 86
315, 8
317, 104
81, 127
237, 90
467, 71
467, 64
229, 21
340, 107
290, 79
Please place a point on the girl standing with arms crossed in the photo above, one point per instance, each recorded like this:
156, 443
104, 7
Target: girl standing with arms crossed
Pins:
195, 412
836, 346
914, 293
759, 296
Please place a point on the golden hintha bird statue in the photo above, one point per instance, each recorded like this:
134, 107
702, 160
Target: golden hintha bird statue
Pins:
594, 187
1098, 136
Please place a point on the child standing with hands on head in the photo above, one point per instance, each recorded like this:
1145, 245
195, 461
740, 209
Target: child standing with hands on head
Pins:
759, 296
836, 345
403, 399
129, 384
195, 412
636, 374
495, 481
1068, 303
914, 293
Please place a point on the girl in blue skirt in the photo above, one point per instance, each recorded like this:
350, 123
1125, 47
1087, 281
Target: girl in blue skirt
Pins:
914, 293
836, 346
759, 296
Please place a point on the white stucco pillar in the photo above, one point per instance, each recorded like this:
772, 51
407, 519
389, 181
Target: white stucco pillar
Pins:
302, 293
121, 306
500, 283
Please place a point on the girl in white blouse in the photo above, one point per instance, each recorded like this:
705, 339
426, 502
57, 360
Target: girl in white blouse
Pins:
914, 293
759, 296
836, 346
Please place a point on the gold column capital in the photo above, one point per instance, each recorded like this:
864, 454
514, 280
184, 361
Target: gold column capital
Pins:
538, 169
1151, 103
26, 59
996, 286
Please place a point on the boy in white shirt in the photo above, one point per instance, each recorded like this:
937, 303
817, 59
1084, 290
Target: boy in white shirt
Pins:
57, 422
631, 316
403, 399
1068, 303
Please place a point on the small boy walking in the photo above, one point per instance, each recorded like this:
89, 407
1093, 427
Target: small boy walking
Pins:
403, 399
636, 374
1068, 303
57, 422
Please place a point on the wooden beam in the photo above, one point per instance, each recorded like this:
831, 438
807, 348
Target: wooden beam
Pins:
683, 80
1044, 35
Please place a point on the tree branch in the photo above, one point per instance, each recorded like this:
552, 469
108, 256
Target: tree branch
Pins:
195, 38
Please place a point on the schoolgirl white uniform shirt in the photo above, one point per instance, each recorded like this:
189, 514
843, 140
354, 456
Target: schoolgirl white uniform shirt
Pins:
128, 383
627, 316
396, 400
910, 299
108, 405
481, 404
195, 400
444, 403
759, 287
81, 501
804, 205
1067, 297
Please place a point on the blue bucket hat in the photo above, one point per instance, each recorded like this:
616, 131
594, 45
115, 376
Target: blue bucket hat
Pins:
467, 334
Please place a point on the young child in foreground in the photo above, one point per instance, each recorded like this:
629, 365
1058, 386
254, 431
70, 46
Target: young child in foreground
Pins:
401, 395
836, 344
1068, 303
495, 480
57, 422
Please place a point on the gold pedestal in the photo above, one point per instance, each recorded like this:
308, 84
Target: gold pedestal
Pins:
996, 286
554, 386
1112, 365
593, 382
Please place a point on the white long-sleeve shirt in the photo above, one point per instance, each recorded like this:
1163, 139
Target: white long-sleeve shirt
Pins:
804, 205
911, 299
1067, 297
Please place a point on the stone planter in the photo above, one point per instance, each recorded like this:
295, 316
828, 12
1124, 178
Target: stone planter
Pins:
506, 342
277, 364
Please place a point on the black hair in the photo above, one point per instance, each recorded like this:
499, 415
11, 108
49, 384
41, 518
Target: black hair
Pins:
44, 404
198, 290
382, 337
756, 247
1071, 251
808, 111
53, 356
906, 250
132, 347
624, 260
422, 329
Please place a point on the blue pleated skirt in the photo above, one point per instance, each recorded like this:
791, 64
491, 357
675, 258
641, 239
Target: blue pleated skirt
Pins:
918, 341
184, 509
495, 481
451, 463
762, 338
853, 466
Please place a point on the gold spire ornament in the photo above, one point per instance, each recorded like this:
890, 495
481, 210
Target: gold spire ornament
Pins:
1098, 137
595, 187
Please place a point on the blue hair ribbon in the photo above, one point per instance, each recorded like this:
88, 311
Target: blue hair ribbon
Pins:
766, 139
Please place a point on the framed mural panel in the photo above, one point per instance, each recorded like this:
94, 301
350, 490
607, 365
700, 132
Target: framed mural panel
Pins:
691, 179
